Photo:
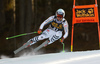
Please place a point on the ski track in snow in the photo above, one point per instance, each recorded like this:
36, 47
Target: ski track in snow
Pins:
84, 57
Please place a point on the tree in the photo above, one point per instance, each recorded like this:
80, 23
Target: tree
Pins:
2, 14
28, 14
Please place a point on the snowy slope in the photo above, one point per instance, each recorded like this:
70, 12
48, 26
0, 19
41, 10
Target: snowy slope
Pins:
86, 57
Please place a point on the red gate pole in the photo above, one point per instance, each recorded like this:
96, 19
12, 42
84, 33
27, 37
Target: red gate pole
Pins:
95, 1
99, 33
72, 27
98, 22
72, 38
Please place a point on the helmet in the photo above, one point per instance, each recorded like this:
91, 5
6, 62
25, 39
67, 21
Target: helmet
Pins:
60, 13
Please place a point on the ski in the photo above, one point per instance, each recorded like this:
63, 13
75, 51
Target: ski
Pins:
29, 42
22, 47
42, 45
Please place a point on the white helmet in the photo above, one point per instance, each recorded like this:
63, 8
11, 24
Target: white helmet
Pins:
60, 12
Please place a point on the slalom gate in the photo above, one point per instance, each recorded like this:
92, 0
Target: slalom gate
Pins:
85, 14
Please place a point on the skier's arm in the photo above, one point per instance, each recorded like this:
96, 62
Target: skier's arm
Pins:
65, 29
46, 22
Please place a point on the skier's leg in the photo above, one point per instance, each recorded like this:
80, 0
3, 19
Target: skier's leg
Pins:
55, 37
38, 38
44, 35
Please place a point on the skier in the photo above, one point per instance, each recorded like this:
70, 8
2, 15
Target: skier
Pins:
55, 29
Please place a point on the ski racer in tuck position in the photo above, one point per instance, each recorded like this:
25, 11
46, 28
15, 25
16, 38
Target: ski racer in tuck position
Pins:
55, 29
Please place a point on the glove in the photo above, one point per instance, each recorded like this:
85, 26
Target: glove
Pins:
39, 31
62, 39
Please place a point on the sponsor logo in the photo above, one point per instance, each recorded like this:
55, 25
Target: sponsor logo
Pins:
84, 12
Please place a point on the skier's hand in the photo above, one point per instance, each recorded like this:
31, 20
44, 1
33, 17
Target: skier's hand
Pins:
39, 31
62, 39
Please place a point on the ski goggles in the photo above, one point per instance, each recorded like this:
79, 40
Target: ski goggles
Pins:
61, 16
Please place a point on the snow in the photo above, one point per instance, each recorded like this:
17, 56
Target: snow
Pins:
83, 57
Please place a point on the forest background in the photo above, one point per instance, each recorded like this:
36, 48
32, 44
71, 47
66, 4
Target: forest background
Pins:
25, 16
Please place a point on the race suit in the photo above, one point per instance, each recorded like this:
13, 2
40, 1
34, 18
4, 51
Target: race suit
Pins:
54, 31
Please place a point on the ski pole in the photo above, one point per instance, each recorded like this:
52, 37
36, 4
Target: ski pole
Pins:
20, 35
63, 46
